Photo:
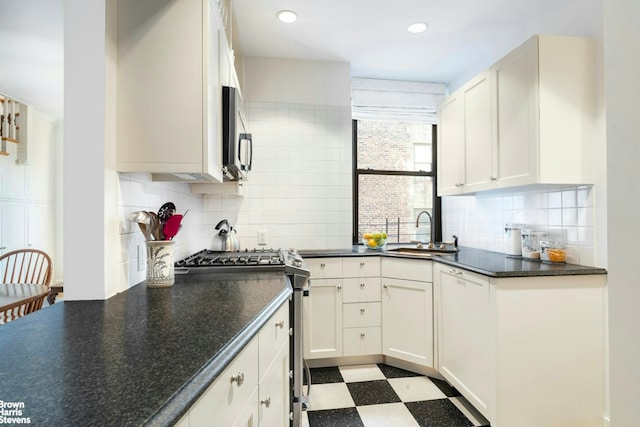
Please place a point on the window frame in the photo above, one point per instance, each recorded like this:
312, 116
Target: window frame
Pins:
436, 202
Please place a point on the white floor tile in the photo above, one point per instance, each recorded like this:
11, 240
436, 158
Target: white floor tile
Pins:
386, 415
415, 389
330, 396
354, 374
469, 411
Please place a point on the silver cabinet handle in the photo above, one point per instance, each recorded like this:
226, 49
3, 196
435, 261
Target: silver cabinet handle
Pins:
385, 286
362, 285
362, 310
456, 272
493, 178
362, 264
339, 288
280, 324
238, 378
266, 402
323, 265
362, 335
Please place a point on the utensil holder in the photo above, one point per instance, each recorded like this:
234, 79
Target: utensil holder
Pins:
160, 273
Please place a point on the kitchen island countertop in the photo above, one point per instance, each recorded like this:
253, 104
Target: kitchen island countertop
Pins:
141, 357
492, 264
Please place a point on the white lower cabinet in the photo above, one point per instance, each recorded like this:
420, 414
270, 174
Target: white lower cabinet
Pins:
254, 389
524, 351
407, 310
322, 321
464, 332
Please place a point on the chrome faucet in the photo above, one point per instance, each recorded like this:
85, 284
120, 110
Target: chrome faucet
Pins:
430, 223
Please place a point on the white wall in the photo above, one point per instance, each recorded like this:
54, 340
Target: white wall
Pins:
622, 68
565, 213
27, 195
299, 190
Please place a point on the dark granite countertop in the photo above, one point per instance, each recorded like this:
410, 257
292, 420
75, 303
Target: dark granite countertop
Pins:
492, 264
139, 358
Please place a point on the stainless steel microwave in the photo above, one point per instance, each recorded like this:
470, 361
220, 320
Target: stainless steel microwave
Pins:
237, 143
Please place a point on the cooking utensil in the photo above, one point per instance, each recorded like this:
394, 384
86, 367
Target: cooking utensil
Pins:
171, 226
156, 226
166, 211
139, 217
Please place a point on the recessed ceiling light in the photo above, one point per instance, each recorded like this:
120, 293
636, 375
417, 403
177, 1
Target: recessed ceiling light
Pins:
418, 27
287, 16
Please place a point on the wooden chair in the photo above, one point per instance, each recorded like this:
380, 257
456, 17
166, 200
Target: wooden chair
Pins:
25, 267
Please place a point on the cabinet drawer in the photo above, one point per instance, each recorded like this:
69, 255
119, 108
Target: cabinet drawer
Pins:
361, 341
358, 315
409, 269
367, 266
324, 268
272, 336
361, 290
224, 399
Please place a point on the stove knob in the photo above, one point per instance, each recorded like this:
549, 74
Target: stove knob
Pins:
297, 262
292, 251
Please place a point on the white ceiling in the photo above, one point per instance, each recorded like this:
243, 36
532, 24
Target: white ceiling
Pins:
464, 37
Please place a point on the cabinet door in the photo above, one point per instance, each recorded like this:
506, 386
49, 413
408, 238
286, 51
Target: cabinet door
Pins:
324, 268
362, 341
407, 320
368, 266
464, 332
323, 319
248, 417
274, 392
225, 398
361, 290
516, 106
40, 227
478, 145
451, 145
13, 226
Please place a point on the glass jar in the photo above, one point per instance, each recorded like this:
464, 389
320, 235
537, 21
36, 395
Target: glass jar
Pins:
553, 252
531, 243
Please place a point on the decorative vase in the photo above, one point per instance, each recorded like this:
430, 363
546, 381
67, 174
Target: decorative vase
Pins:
160, 272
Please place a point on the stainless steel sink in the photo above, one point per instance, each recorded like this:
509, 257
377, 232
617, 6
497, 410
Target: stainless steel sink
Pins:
423, 252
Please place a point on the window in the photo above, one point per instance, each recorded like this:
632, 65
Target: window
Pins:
395, 180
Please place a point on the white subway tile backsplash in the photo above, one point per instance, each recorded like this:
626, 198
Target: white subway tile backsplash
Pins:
566, 214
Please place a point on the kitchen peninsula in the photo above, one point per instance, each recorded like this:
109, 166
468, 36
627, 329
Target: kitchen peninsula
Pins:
142, 357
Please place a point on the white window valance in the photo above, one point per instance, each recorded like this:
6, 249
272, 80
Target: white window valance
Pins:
376, 99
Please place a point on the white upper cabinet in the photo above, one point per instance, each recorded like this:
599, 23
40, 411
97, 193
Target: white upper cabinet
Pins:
168, 93
465, 147
529, 119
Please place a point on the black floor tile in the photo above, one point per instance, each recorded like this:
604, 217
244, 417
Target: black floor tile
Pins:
372, 392
393, 372
325, 375
445, 388
346, 417
437, 413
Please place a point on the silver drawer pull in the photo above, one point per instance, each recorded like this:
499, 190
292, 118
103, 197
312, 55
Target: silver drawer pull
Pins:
362, 264
362, 285
238, 378
280, 324
266, 402
456, 272
323, 265
362, 310
339, 288
385, 286
362, 335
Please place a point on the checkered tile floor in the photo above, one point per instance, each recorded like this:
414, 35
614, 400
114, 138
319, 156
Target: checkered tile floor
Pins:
381, 396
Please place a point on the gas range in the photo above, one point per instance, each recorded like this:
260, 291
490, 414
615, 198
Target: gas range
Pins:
208, 261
